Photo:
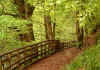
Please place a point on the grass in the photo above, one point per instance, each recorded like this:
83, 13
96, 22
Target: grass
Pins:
89, 60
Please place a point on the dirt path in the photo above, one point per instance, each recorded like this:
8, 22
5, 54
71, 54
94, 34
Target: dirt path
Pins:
56, 61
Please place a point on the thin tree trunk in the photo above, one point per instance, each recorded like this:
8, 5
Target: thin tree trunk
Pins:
86, 38
82, 37
78, 31
54, 27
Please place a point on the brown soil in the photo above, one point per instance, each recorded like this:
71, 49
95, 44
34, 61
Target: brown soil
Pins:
56, 61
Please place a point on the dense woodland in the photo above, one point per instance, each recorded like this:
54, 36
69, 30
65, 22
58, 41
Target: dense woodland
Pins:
24, 22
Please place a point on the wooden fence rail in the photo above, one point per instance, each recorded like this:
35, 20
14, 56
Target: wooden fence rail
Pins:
20, 58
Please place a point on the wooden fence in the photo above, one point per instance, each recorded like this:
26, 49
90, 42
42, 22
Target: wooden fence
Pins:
20, 58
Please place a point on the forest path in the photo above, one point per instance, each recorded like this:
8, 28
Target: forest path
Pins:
56, 61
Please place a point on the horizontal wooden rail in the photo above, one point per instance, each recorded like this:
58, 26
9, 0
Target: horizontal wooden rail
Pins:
20, 58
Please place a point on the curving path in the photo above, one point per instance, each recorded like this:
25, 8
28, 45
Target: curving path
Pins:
56, 61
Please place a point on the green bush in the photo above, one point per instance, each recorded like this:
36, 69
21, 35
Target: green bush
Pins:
89, 60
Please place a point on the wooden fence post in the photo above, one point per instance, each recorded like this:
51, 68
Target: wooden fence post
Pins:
58, 46
9, 60
0, 64
25, 54
18, 57
31, 53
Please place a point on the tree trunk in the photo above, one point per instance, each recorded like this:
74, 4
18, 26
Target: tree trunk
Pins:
78, 31
82, 37
86, 38
28, 36
24, 9
25, 12
48, 28
54, 27
30, 32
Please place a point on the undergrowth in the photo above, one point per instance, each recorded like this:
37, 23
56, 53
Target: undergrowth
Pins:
89, 60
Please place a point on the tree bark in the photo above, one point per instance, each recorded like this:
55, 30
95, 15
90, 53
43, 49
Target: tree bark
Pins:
48, 28
24, 9
79, 32
54, 27
29, 36
25, 12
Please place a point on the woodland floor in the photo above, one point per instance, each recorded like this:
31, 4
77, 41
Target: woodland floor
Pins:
56, 61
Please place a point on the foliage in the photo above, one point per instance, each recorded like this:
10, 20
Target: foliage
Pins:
9, 32
89, 60
62, 13
7, 7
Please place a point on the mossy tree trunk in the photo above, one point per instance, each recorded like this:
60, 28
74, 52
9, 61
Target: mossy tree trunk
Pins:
79, 31
25, 11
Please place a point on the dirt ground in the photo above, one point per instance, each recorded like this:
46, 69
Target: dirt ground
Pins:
56, 61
